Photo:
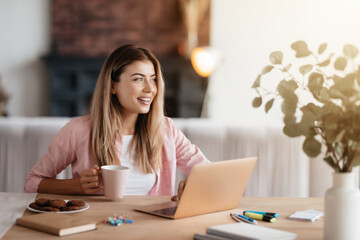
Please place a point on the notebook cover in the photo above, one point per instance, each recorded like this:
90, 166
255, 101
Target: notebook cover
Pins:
249, 231
56, 223
198, 236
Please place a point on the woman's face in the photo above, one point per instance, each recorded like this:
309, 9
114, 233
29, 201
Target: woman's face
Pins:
137, 88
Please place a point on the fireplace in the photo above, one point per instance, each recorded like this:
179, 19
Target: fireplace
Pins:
73, 80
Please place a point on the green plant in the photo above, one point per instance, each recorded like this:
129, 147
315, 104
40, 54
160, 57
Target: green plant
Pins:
330, 115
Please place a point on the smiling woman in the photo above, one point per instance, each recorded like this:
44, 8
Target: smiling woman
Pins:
126, 126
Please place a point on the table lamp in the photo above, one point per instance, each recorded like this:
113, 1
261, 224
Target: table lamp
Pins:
205, 60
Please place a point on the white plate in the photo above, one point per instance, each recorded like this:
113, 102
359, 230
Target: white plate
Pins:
73, 211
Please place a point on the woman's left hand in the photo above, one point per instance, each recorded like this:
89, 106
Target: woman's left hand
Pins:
180, 191
90, 181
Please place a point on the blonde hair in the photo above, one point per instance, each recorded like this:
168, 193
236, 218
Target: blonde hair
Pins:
105, 113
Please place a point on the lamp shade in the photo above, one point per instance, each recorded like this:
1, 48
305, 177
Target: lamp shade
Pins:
204, 61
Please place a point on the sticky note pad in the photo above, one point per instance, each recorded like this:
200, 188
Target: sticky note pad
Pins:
306, 215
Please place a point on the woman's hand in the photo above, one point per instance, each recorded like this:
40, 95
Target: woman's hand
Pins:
180, 191
90, 183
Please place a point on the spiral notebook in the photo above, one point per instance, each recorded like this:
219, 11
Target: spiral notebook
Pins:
244, 231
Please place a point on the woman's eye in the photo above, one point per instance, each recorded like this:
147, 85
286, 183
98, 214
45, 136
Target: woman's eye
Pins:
153, 80
138, 79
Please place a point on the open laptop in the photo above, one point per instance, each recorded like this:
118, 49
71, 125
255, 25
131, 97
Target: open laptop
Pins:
212, 187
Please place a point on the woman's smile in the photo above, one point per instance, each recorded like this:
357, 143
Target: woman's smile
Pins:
145, 100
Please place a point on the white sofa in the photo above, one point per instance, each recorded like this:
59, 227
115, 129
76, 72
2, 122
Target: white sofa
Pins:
282, 168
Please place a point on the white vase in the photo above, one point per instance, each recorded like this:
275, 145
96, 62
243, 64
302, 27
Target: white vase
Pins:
342, 209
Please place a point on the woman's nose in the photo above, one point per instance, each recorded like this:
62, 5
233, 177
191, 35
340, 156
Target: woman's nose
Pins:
148, 87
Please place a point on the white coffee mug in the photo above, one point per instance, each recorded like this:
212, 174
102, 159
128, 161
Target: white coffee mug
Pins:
114, 179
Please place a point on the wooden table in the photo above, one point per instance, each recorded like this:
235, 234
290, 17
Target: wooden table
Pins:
146, 226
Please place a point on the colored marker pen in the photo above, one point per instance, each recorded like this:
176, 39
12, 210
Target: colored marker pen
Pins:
246, 219
275, 215
260, 217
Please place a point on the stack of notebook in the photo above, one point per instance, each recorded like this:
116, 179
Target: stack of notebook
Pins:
243, 231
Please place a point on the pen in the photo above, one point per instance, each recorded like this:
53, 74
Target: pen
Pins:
275, 215
257, 216
245, 219
234, 217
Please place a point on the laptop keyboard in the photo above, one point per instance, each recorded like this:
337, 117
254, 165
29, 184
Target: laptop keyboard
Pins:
166, 211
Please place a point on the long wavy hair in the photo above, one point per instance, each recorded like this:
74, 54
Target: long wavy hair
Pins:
105, 113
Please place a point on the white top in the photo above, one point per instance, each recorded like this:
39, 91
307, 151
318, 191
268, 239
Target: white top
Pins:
138, 183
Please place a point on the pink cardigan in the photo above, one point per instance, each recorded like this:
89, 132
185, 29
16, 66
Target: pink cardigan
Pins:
72, 146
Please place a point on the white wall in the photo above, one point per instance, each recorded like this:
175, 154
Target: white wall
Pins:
24, 38
248, 31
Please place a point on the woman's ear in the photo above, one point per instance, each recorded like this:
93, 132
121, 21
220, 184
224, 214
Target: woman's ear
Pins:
113, 89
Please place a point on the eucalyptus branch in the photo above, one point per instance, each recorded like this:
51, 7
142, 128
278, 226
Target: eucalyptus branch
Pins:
266, 91
291, 76
337, 162
350, 157
321, 133
316, 58
344, 156
330, 103
327, 78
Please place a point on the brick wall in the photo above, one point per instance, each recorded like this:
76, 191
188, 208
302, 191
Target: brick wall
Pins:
96, 27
